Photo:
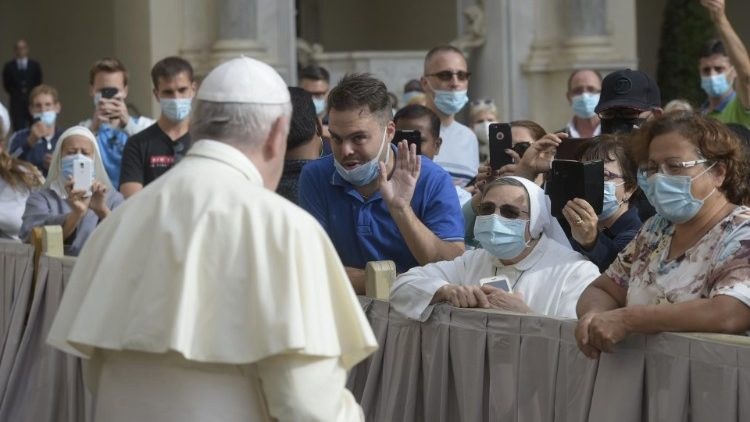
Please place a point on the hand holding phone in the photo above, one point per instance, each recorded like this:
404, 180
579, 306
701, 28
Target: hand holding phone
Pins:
501, 139
83, 174
499, 282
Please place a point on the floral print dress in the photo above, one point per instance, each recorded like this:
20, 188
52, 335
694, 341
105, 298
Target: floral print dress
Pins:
718, 264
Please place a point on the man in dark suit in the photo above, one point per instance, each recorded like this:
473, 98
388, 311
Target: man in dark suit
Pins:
20, 76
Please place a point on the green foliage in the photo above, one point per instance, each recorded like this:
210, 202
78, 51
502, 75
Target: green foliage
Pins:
686, 28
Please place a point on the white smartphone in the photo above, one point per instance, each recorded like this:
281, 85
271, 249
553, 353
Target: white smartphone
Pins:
499, 281
83, 175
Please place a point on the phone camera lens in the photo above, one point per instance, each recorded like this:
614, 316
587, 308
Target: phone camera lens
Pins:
500, 136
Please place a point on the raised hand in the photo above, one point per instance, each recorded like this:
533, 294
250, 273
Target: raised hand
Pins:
398, 191
583, 222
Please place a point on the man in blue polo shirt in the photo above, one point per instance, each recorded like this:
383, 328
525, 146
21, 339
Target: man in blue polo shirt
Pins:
374, 200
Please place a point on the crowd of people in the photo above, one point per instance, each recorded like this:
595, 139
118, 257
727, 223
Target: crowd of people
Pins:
667, 252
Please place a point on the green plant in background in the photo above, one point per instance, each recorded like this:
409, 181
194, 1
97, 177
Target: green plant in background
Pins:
685, 30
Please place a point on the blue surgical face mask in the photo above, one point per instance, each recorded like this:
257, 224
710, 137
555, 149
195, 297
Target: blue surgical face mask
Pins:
584, 105
66, 165
175, 109
320, 105
715, 85
450, 102
364, 173
610, 204
502, 237
47, 117
672, 198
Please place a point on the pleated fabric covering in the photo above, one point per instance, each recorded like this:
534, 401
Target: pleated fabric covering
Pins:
472, 365
43, 384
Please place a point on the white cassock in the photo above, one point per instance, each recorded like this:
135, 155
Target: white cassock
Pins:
550, 278
208, 297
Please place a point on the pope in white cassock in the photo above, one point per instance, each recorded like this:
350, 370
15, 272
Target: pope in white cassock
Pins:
207, 297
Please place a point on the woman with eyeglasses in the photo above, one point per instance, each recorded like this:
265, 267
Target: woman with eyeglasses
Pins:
600, 237
523, 251
688, 269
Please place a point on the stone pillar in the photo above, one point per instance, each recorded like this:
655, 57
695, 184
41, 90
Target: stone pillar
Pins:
237, 32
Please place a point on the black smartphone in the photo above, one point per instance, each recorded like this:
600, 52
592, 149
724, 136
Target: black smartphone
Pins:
572, 148
411, 136
500, 140
109, 92
570, 179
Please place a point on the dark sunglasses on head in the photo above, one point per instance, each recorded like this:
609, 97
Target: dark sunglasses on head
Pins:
447, 75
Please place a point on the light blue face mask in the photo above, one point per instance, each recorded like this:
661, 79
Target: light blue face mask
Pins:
47, 117
320, 105
66, 165
364, 173
502, 237
715, 85
450, 102
672, 198
175, 109
584, 105
611, 204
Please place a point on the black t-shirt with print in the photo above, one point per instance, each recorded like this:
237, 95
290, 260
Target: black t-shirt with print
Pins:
149, 154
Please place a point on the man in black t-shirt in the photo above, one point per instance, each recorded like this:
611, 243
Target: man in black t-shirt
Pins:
153, 151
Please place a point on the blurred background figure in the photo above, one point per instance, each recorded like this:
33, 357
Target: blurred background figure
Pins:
413, 93
20, 76
481, 114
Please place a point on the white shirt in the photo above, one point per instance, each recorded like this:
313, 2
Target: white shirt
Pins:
5, 120
12, 206
551, 278
574, 132
459, 153
208, 263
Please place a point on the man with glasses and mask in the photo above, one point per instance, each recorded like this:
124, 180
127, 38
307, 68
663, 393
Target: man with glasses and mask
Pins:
377, 201
445, 83
724, 63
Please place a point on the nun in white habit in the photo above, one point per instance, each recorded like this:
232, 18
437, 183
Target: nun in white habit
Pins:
58, 204
522, 244
207, 296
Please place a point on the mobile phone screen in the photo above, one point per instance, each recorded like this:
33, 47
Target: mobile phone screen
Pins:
411, 136
501, 284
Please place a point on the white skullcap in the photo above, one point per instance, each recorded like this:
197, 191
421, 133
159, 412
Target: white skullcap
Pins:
244, 80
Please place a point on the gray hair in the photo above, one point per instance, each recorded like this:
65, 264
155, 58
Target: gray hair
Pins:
238, 124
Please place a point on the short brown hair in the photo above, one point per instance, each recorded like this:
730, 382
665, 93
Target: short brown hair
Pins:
108, 65
611, 147
169, 67
713, 141
537, 131
44, 90
358, 90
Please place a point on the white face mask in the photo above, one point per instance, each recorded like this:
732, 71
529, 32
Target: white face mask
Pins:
482, 130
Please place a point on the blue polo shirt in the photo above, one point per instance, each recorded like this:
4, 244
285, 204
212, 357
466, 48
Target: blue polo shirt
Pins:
20, 149
363, 230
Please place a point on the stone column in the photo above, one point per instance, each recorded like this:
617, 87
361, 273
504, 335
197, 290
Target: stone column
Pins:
237, 31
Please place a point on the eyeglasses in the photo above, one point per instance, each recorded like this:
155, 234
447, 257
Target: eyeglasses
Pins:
447, 75
508, 211
670, 167
627, 113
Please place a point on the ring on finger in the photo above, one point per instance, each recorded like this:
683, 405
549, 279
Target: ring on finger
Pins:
578, 222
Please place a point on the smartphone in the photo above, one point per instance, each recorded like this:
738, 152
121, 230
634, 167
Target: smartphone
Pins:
500, 140
83, 174
411, 136
499, 281
572, 148
570, 179
109, 92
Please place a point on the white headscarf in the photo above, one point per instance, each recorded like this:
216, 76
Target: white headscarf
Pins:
54, 176
540, 213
